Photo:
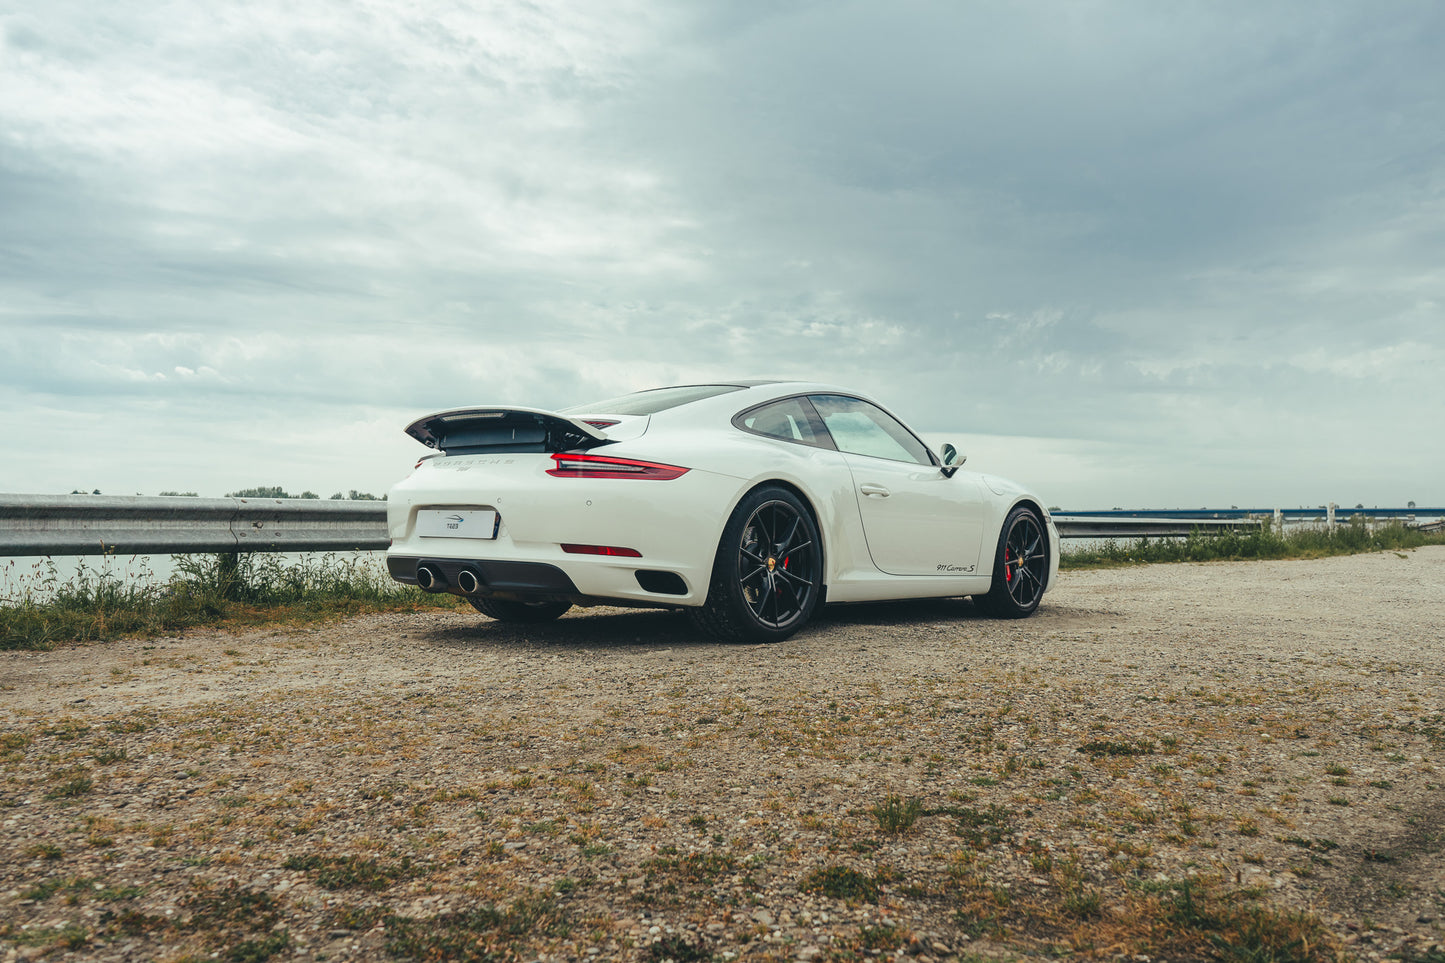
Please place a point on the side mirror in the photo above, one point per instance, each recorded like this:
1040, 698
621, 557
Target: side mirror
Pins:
952, 460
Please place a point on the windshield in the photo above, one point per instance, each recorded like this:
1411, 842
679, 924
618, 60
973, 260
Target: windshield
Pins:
651, 402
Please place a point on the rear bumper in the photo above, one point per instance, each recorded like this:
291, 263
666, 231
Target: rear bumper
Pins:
674, 525
532, 579
544, 582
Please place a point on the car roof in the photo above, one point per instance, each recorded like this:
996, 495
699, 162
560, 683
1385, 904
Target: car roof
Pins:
759, 392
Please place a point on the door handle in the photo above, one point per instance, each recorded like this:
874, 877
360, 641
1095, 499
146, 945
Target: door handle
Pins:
878, 490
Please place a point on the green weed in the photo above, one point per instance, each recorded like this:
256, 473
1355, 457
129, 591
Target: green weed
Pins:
896, 814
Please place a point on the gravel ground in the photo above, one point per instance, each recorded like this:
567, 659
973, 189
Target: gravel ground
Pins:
613, 786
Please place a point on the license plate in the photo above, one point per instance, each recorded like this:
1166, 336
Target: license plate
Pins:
457, 523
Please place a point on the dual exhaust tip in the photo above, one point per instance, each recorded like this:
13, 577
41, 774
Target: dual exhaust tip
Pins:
430, 579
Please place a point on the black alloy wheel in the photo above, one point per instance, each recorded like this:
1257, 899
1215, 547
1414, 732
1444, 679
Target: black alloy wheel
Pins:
768, 573
1021, 567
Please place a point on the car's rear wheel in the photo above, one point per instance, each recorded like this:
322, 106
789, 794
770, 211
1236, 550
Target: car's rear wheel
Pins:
510, 610
767, 576
1020, 567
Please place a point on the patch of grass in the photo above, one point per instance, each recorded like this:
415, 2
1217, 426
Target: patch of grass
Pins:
1109, 747
258, 951
69, 937
1351, 538
896, 814
678, 949
47, 888
842, 882
692, 867
981, 827
77, 786
233, 905
250, 589
352, 872
487, 934
881, 938
1235, 928
1083, 902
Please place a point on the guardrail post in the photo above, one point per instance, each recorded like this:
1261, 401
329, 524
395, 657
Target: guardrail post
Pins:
228, 575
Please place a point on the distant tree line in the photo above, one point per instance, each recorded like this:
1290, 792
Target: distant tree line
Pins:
270, 491
276, 491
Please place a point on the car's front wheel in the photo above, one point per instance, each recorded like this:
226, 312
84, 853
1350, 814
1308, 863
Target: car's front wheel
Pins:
1020, 567
510, 610
767, 576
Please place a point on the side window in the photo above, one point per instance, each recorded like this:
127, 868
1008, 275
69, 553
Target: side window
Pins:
860, 428
791, 419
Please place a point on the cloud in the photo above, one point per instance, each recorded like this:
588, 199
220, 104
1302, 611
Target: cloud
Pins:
1194, 241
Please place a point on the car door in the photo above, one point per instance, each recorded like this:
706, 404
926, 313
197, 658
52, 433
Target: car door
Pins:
916, 520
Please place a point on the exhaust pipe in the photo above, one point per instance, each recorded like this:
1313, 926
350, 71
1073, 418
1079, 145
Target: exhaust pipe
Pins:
429, 579
468, 582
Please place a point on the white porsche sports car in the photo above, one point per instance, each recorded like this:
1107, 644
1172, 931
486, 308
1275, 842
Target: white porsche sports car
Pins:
748, 504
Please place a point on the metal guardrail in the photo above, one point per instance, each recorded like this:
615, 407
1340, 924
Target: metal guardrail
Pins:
1293, 514
1096, 525
178, 525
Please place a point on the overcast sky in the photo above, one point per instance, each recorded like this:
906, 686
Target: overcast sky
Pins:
1141, 254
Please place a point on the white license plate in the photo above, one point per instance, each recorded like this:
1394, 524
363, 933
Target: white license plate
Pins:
457, 523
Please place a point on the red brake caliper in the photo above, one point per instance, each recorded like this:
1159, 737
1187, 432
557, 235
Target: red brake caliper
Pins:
1008, 573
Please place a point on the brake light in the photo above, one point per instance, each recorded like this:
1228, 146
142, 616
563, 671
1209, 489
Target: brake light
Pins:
601, 466
600, 550
601, 422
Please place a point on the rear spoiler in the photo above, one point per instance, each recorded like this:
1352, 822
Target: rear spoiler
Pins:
473, 431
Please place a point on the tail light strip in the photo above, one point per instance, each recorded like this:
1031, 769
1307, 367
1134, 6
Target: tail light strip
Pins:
601, 466
614, 550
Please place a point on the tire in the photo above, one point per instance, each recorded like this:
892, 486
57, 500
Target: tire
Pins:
508, 610
767, 576
1020, 567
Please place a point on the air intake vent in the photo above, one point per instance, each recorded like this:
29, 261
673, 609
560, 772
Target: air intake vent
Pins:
663, 583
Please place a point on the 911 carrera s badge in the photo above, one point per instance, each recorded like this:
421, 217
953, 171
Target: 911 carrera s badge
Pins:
945, 567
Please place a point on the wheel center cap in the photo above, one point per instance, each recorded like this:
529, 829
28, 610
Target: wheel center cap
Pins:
772, 563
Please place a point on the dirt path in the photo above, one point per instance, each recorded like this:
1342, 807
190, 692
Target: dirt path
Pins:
619, 788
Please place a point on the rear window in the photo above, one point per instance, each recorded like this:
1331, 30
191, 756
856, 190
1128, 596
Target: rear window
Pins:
651, 402
791, 419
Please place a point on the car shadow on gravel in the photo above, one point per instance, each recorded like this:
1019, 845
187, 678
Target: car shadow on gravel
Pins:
644, 629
